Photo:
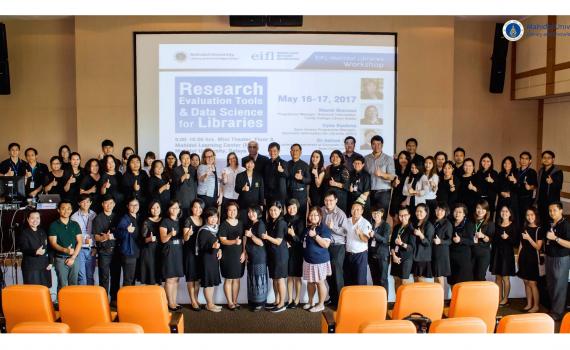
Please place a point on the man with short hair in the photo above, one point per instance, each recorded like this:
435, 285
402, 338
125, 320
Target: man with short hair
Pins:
526, 182
359, 231
550, 179
84, 217
275, 176
412, 147
459, 157
557, 262
66, 240
335, 219
349, 154
259, 159
36, 173
299, 178
13, 166
107, 147
381, 168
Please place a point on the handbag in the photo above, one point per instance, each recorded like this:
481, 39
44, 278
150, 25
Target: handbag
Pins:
421, 322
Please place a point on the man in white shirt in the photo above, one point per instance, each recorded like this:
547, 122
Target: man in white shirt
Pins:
359, 231
86, 259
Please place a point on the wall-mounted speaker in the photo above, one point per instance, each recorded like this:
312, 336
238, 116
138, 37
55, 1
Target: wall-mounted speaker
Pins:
498, 61
248, 21
285, 21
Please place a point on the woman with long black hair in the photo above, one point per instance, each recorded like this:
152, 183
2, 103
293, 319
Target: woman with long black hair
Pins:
337, 179
135, 180
402, 246
415, 186
192, 263
469, 186
403, 164
110, 182
64, 154
90, 184
433, 182
448, 186
423, 232
482, 229
158, 187
440, 246
503, 252
488, 181
295, 228
257, 276
170, 163
150, 261
529, 258
440, 159
184, 182
208, 246
317, 176
460, 248
172, 256
508, 187
278, 255
232, 263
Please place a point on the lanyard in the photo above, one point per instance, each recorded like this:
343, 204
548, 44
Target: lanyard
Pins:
478, 226
522, 174
14, 166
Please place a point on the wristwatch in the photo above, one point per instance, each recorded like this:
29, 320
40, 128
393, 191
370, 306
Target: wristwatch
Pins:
557, 240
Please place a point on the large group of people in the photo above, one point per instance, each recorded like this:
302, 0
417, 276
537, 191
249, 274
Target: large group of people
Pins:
286, 221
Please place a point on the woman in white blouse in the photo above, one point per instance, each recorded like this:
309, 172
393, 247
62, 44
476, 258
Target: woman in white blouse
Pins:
208, 183
228, 181
433, 181
415, 186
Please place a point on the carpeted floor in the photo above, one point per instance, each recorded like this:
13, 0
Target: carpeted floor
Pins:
290, 321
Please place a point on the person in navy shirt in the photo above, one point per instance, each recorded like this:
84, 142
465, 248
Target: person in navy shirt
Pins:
13, 166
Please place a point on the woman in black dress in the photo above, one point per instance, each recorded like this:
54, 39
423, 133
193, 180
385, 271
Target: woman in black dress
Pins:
55, 179
423, 232
440, 245
110, 182
482, 229
508, 188
36, 267
209, 249
529, 258
192, 262
158, 187
337, 179
402, 245
460, 248
150, 258
503, 253
488, 177
278, 255
172, 261
185, 182
257, 277
170, 163
232, 264
90, 184
249, 187
440, 160
317, 175
74, 175
403, 165
448, 186
295, 227
469, 186
135, 180
64, 154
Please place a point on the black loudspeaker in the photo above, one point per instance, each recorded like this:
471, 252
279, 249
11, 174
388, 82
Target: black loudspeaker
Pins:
248, 21
285, 21
4, 68
499, 61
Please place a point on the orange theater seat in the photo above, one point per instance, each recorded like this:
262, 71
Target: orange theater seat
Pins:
83, 306
475, 299
458, 325
41, 327
115, 327
388, 326
422, 297
27, 303
526, 323
147, 306
356, 305
565, 325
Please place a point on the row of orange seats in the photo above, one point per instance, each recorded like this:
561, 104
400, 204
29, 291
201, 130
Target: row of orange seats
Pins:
473, 309
85, 309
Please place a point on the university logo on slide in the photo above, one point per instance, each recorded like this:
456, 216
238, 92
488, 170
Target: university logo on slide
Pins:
513, 30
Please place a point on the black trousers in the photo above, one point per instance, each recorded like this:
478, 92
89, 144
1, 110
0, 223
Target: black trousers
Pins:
480, 260
110, 273
355, 268
379, 269
129, 264
381, 199
336, 280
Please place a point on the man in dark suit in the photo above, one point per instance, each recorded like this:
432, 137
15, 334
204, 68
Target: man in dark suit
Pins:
253, 152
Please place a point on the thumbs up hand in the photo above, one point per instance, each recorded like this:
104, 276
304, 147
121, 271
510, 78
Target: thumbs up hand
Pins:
489, 178
504, 235
28, 174
248, 233
549, 180
40, 251
131, 228
398, 240
71, 180
245, 188
173, 233
330, 223
54, 182
312, 232
280, 167
456, 238
10, 172
436, 240
137, 187
525, 235
512, 179
107, 184
315, 172
291, 232
471, 187
238, 241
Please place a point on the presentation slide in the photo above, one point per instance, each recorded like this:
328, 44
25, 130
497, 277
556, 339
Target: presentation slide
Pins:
223, 92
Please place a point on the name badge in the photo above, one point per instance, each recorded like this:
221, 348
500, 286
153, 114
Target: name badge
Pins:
373, 244
256, 184
176, 241
304, 244
32, 184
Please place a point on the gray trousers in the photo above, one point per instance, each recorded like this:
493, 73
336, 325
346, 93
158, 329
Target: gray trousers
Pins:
557, 284
66, 275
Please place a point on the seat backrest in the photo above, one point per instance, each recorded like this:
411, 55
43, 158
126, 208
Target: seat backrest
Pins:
146, 306
26, 303
526, 323
115, 327
459, 325
476, 299
41, 327
83, 306
565, 325
358, 305
422, 297
388, 326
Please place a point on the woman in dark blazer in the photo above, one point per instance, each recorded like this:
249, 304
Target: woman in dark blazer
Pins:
460, 249
36, 267
185, 182
440, 246
402, 246
249, 187
488, 177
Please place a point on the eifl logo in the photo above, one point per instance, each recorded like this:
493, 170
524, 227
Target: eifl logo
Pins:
513, 30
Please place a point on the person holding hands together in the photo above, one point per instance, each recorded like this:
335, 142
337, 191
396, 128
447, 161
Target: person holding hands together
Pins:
172, 260
36, 266
208, 247
65, 239
402, 245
